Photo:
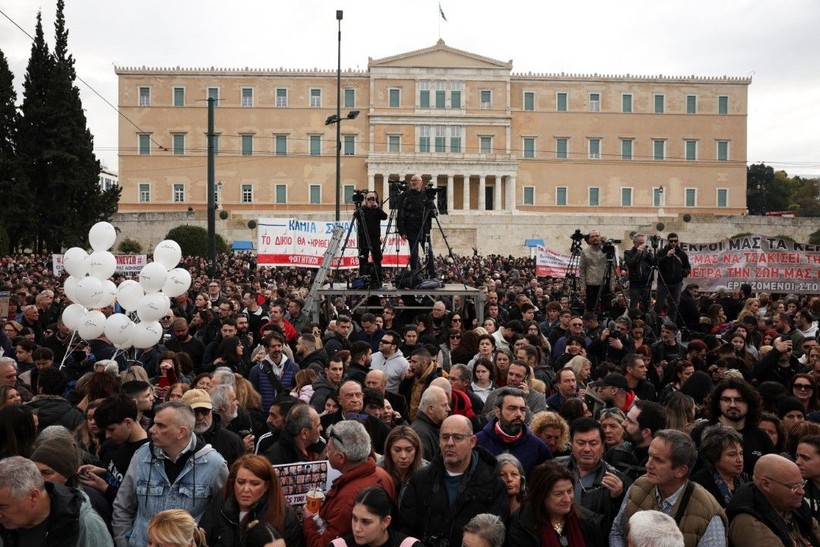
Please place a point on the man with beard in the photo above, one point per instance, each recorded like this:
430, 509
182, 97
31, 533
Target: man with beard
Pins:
507, 432
274, 374
567, 387
327, 383
302, 431
736, 404
635, 372
182, 341
276, 421
642, 421
667, 349
208, 426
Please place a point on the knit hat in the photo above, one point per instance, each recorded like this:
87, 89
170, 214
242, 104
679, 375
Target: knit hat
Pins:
786, 404
59, 454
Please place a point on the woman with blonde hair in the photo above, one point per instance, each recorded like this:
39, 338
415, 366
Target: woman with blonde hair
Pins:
303, 390
175, 528
582, 368
551, 428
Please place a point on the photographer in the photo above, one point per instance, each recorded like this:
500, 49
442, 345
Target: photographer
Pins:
673, 267
411, 221
591, 271
638, 262
369, 235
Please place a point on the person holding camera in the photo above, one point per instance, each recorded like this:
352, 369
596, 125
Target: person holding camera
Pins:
638, 262
591, 271
413, 224
673, 267
369, 236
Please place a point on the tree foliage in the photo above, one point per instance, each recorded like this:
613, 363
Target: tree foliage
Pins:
130, 246
769, 190
194, 240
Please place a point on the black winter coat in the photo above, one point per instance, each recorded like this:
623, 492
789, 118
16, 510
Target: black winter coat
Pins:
524, 532
222, 523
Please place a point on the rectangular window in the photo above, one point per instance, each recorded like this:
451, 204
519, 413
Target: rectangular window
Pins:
562, 148
247, 193
455, 139
145, 192
723, 105
660, 103
394, 144
529, 195
179, 144
349, 148
424, 138
347, 196
179, 193
486, 98
529, 147
485, 144
315, 194
657, 196
455, 94
394, 97
594, 149
247, 97
529, 101
441, 95
594, 196
315, 98
440, 142
722, 197
561, 102
350, 98
144, 144
626, 149
658, 149
179, 96
315, 145
626, 103
691, 150
594, 102
424, 94
281, 97
145, 96
561, 195
281, 191
691, 197
626, 197
723, 150
213, 93
691, 104
247, 145
281, 145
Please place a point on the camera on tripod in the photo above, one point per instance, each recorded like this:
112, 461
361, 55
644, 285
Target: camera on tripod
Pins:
608, 247
578, 236
358, 196
655, 241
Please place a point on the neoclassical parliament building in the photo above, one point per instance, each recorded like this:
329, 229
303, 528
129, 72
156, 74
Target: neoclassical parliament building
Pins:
498, 141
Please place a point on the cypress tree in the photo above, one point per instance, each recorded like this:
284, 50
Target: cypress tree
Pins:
8, 140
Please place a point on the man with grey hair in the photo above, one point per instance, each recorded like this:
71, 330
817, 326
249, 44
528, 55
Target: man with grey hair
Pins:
434, 407
639, 264
348, 451
32, 511
8, 377
666, 487
209, 423
299, 441
485, 528
223, 375
654, 529
176, 470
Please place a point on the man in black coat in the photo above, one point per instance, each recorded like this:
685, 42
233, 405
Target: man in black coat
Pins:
297, 442
412, 223
208, 426
369, 216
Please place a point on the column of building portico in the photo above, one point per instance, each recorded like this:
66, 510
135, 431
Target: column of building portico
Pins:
511, 197
385, 193
371, 182
450, 182
465, 193
497, 193
482, 193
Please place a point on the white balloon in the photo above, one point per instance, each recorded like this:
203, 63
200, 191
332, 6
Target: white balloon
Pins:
101, 264
102, 236
124, 345
129, 294
178, 281
109, 294
92, 325
153, 306
75, 262
118, 328
168, 253
72, 314
146, 334
153, 276
89, 291
70, 288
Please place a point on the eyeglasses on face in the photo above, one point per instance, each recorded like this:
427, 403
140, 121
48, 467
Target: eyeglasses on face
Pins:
792, 487
455, 437
455, 337
803, 387
730, 400
371, 199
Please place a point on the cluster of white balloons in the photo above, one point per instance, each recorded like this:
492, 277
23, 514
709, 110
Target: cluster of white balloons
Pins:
90, 288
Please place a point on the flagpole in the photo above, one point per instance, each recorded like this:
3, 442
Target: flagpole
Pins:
438, 18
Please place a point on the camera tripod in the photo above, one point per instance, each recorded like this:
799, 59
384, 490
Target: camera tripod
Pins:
370, 281
425, 261
603, 302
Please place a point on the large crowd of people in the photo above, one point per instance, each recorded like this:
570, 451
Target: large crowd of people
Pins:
575, 412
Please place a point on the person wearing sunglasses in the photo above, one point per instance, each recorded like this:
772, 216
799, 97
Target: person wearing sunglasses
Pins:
369, 218
673, 268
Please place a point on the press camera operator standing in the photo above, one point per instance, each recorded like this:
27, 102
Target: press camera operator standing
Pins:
412, 222
639, 262
591, 271
369, 235
673, 268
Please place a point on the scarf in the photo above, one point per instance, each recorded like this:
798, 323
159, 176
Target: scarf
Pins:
571, 533
505, 438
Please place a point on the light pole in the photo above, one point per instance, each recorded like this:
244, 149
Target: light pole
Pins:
339, 16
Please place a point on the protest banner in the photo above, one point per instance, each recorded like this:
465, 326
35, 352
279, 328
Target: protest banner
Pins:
550, 264
296, 479
293, 242
127, 265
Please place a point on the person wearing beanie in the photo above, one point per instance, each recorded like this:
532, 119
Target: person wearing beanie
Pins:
790, 410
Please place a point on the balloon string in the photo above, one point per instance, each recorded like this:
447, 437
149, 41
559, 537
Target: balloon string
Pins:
68, 349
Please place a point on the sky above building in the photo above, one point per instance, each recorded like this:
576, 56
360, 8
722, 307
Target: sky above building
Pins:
774, 43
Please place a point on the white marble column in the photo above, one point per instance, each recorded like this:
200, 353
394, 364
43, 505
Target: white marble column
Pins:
497, 193
434, 181
371, 182
482, 193
450, 183
385, 193
466, 193
511, 193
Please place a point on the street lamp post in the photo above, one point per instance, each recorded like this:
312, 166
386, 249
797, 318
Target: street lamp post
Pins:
339, 16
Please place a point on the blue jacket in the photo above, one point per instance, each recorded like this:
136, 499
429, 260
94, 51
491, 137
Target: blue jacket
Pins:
529, 449
146, 490
258, 376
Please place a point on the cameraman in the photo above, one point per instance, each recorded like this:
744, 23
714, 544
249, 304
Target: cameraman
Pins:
411, 222
638, 262
591, 271
673, 268
369, 236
